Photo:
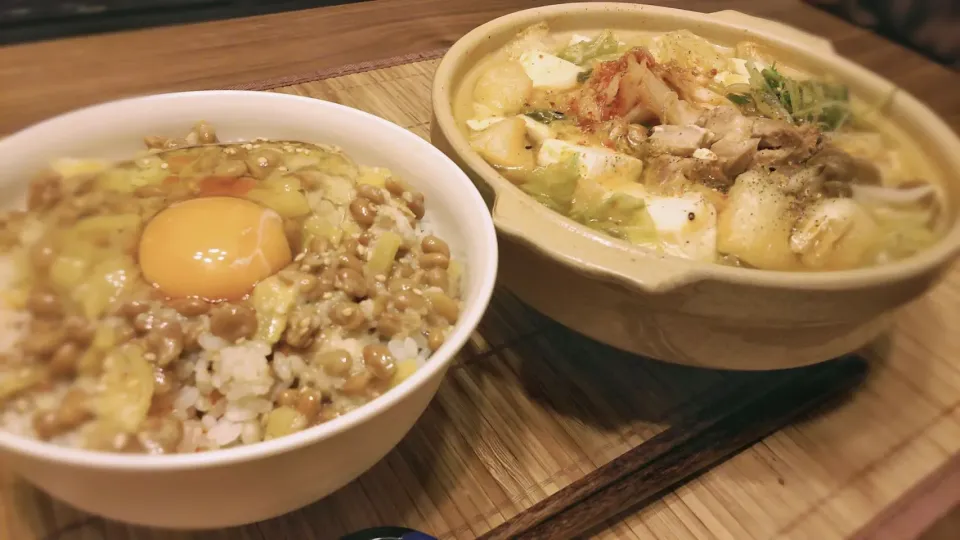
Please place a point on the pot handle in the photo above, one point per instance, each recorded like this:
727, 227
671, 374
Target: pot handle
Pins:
806, 39
586, 251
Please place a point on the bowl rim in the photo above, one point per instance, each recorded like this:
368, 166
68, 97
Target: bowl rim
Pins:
485, 271
680, 271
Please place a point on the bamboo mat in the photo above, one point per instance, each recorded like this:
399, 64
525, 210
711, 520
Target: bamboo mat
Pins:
530, 407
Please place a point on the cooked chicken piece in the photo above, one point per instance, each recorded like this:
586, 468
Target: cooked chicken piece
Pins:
673, 175
709, 173
806, 182
771, 157
727, 123
734, 153
836, 165
774, 133
872, 148
830, 172
636, 135
732, 139
625, 138
666, 170
795, 144
677, 140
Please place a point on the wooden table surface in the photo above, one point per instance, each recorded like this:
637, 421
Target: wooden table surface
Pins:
39, 80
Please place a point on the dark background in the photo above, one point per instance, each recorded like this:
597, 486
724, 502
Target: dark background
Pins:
909, 22
32, 20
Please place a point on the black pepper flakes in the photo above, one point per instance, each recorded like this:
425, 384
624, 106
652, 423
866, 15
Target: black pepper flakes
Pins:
691, 216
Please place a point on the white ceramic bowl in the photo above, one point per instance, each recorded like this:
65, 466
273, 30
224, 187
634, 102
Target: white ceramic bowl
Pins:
252, 483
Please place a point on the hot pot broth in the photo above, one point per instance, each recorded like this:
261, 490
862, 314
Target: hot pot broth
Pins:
699, 150
206, 295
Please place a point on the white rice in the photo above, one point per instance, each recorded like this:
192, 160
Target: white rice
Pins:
226, 391
12, 322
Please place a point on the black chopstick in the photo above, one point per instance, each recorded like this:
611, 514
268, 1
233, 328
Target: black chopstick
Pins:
719, 430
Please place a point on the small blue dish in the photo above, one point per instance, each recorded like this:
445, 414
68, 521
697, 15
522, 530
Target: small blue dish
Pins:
388, 533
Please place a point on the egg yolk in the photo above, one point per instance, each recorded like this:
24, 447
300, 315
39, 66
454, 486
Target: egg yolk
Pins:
216, 248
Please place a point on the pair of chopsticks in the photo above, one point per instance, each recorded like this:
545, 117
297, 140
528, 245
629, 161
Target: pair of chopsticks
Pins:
719, 429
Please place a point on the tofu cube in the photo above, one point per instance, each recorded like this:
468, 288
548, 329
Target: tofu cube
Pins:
549, 72
595, 163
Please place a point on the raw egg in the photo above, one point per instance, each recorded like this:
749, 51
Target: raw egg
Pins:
216, 248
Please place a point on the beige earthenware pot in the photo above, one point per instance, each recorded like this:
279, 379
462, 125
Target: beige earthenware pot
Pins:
678, 310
